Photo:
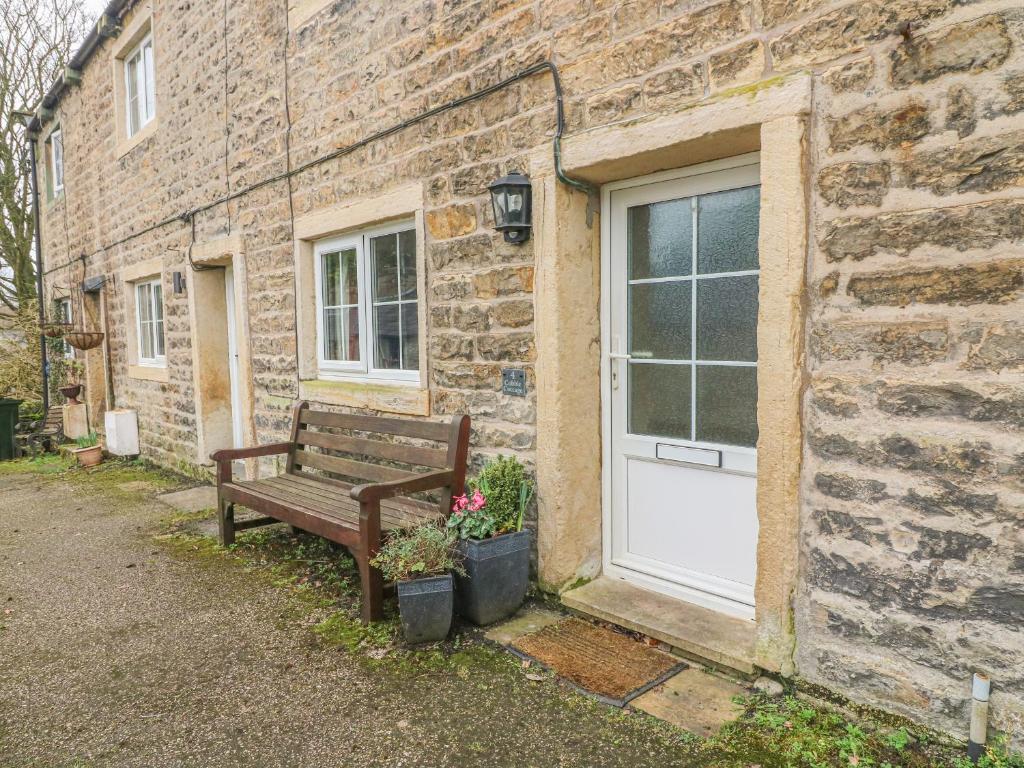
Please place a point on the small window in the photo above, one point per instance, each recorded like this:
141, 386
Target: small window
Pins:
139, 86
368, 305
149, 313
57, 162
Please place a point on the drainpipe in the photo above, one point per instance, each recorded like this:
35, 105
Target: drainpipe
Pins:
979, 717
39, 271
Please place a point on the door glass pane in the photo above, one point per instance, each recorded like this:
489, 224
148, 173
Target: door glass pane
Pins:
727, 229
660, 320
410, 337
407, 254
384, 257
387, 350
727, 318
660, 239
659, 400
727, 404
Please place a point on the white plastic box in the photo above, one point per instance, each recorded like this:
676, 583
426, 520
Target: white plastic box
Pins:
122, 432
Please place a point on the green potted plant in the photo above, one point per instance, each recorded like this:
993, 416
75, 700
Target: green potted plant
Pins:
495, 547
89, 452
421, 560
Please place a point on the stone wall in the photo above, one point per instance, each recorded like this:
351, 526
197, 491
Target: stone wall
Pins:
911, 515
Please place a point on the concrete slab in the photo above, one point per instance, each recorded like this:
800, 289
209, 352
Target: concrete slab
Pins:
722, 640
191, 499
694, 700
524, 622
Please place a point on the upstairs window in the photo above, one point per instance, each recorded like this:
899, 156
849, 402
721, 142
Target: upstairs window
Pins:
149, 311
139, 86
368, 305
56, 162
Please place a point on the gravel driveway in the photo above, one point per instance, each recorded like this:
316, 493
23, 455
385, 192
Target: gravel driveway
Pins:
116, 651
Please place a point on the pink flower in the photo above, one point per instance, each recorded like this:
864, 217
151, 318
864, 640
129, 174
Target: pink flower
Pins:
478, 502
461, 502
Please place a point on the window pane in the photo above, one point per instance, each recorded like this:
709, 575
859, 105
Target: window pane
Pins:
330, 273
146, 340
349, 277
58, 159
660, 320
407, 258
158, 336
410, 337
351, 333
158, 302
143, 302
387, 350
659, 399
132, 73
333, 335
384, 258
727, 318
727, 229
727, 404
660, 239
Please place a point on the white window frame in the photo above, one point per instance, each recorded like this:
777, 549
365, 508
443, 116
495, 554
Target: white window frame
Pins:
57, 160
146, 85
157, 360
363, 369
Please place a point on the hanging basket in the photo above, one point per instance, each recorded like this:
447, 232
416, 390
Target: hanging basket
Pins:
84, 339
55, 330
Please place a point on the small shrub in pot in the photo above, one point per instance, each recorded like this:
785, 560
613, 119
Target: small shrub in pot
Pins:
89, 452
421, 560
494, 546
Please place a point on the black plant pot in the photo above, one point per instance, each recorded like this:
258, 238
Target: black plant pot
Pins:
497, 577
426, 606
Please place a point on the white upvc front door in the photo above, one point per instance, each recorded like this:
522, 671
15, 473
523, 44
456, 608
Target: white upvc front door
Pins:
680, 294
237, 437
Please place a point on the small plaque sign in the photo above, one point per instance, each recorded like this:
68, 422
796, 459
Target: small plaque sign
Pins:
513, 381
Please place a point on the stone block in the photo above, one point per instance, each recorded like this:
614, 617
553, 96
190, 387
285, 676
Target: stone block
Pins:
880, 128
506, 281
971, 46
920, 343
962, 227
854, 183
76, 421
513, 347
614, 104
1001, 347
674, 87
987, 164
852, 76
960, 110
514, 313
694, 700
452, 221
839, 485
743, 63
471, 318
996, 283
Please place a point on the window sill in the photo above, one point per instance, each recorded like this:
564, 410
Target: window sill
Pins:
389, 398
148, 373
126, 145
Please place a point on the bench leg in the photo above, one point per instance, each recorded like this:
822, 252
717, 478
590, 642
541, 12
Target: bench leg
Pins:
296, 531
373, 590
226, 522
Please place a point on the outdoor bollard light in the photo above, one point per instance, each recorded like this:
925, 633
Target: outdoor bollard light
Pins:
511, 198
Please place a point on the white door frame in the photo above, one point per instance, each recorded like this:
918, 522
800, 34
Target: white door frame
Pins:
237, 433
609, 567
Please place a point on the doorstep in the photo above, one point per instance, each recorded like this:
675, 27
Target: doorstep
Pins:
691, 630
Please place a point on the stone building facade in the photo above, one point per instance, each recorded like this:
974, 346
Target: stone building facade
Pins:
888, 139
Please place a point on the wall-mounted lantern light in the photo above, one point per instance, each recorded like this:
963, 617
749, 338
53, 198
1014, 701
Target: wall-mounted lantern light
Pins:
511, 198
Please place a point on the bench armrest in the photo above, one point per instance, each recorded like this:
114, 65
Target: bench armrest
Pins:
230, 454
425, 482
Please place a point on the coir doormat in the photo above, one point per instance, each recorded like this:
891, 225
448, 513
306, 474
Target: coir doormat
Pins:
606, 664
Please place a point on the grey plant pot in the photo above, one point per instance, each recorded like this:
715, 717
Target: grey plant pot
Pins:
497, 577
426, 606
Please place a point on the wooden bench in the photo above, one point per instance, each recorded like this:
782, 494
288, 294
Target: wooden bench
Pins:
48, 434
331, 490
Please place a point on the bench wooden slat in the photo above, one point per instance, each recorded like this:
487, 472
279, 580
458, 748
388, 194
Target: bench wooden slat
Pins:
361, 446
315, 488
426, 430
341, 466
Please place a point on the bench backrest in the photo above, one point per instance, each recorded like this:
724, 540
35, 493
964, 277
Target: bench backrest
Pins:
355, 448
